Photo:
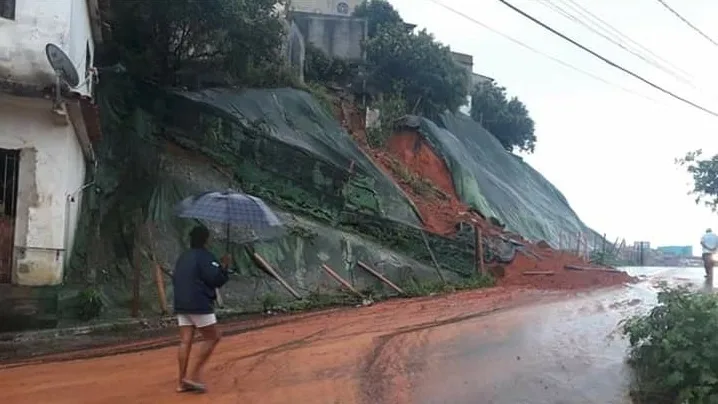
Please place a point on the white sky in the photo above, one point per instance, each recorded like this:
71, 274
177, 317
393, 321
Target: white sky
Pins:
610, 152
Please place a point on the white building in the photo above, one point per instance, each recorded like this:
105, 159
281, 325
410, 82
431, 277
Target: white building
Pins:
44, 145
327, 7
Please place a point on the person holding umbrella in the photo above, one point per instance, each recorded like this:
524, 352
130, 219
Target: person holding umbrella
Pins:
196, 278
198, 275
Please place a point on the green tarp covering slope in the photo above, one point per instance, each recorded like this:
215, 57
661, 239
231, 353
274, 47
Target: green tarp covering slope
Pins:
500, 184
282, 145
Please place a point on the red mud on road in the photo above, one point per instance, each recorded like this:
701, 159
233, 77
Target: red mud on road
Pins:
366, 355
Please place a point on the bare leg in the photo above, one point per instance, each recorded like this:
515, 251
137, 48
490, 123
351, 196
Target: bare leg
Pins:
210, 336
185, 347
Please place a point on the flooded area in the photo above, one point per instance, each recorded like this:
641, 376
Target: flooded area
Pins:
495, 346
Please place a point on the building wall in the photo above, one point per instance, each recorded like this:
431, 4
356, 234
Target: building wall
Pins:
37, 23
337, 36
329, 7
51, 167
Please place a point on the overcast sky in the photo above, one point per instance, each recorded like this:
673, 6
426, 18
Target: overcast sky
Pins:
610, 152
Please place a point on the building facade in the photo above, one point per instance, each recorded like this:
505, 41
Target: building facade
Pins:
45, 143
326, 7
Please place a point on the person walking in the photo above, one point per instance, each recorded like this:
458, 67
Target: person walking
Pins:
196, 277
709, 242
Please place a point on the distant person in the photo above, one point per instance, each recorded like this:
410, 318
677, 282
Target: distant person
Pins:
196, 276
709, 242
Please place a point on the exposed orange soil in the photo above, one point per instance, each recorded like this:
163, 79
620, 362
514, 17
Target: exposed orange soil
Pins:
369, 355
442, 213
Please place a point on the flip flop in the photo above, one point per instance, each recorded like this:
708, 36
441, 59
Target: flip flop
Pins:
194, 386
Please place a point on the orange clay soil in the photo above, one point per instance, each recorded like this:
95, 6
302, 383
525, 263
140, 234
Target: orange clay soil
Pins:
368, 355
442, 212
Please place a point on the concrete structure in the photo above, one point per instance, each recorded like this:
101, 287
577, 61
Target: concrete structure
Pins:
336, 35
44, 137
326, 7
467, 62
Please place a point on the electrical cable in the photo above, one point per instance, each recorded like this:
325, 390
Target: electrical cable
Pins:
620, 35
607, 61
552, 58
616, 42
703, 34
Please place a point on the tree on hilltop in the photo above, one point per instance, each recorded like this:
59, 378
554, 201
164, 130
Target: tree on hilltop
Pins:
162, 40
705, 177
378, 13
508, 120
412, 65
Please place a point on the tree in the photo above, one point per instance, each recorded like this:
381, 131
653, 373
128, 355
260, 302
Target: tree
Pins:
705, 177
508, 120
378, 13
166, 40
413, 65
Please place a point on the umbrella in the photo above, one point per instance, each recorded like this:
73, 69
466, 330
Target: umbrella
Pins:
233, 209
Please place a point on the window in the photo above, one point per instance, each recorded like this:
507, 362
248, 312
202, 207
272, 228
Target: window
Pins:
7, 9
343, 8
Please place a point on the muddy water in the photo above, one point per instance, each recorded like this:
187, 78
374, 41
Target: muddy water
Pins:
499, 346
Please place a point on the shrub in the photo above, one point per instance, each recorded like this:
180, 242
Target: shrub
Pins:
674, 348
89, 304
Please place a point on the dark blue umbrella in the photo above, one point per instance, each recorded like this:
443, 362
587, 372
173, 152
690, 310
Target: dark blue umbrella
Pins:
233, 209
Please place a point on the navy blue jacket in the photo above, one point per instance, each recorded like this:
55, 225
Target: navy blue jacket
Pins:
197, 274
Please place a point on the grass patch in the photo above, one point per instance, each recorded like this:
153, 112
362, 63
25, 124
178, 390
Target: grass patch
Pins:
674, 349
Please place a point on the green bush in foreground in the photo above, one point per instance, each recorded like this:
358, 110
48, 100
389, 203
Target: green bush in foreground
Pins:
674, 348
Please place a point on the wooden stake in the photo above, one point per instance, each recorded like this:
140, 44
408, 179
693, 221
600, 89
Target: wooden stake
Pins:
268, 268
538, 273
380, 277
341, 280
479, 251
433, 258
161, 288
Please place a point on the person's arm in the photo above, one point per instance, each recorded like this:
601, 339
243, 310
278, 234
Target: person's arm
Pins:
213, 274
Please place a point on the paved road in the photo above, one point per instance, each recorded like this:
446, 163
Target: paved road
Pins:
500, 347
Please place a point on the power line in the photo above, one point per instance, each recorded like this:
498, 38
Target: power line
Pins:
607, 61
617, 42
704, 35
555, 59
621, 36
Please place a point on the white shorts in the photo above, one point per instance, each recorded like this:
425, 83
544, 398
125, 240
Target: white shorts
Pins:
196, 320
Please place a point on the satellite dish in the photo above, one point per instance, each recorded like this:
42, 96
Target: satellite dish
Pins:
62, 64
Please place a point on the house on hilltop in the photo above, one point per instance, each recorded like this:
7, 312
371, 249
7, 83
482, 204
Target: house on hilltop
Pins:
45, 143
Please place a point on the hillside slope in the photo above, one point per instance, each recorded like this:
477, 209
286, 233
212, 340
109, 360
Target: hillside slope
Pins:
341, 204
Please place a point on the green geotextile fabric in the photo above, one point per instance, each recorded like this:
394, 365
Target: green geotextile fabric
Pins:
500, 184
297, 144
158, 147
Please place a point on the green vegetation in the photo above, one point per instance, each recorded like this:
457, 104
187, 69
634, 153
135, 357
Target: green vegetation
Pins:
508, 120
392, 107
171, 41
705, 177
89, 304
413, 65
674, 349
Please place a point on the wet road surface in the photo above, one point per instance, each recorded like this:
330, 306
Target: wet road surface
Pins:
497, 346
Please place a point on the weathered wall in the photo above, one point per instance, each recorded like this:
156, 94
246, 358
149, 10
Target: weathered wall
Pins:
37, 23
337, 36
51, 167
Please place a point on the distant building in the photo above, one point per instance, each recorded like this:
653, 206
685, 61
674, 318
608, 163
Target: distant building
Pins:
325, 7
467, 62
677, 251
